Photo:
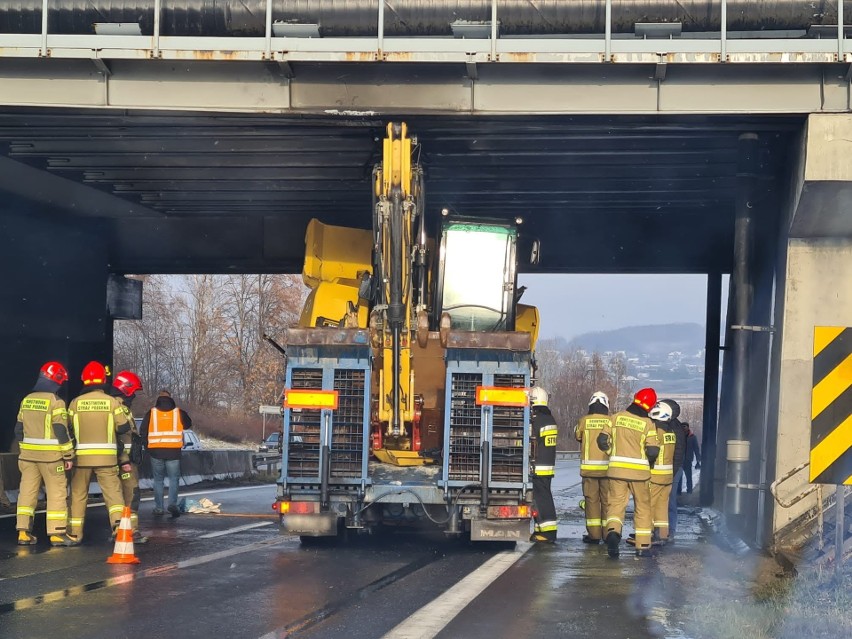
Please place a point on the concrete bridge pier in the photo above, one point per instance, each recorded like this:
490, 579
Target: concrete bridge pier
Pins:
52, 302
815, 275
800, 276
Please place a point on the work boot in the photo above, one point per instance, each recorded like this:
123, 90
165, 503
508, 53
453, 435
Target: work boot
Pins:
591, 540
541, 537
63, 540
26, 538
157, 512
613, 540
643, 552
139, 538
631, 540
174, 511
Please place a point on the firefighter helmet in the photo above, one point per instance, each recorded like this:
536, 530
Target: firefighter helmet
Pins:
645, 397
599, 397
94, 374
55, 372
127, 382
662, 412
538, 396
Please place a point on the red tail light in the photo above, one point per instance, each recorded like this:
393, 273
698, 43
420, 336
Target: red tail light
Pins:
298, 507
275, 505
508, 512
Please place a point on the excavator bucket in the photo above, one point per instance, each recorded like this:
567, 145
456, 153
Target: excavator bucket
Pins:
401, 457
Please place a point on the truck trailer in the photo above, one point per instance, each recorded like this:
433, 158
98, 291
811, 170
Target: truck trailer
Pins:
407, 380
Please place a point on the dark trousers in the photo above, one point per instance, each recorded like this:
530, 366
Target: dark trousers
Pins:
545, 520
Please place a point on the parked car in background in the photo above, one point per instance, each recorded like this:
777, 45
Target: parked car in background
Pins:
271, 444
190, 439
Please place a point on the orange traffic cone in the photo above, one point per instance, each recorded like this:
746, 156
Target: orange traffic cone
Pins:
123, 553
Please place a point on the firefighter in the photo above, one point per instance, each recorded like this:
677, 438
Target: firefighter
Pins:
98, 421
677, 462
662, 473
593, 465
124, 387
545, 431
631, 442
46, 453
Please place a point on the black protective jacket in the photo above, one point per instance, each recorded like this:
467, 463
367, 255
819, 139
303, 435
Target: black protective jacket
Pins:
676, 427
544, 430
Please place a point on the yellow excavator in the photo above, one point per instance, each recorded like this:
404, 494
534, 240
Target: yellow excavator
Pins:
384, 280
406, 392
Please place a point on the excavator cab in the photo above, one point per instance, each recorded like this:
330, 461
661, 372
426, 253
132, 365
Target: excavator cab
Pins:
477, 276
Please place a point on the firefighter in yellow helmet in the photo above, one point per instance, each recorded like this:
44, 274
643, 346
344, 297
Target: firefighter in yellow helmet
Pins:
544, 430
593, 465
98, 421
632, 445
47, 452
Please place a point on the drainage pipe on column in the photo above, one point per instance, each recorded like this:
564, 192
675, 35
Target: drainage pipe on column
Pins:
738, 445
711, 387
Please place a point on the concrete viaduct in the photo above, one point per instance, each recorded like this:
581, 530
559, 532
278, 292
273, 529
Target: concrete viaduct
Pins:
716, 145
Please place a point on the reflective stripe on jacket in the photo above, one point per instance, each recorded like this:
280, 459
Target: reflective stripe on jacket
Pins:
545, 431
593, 461
45, 422
663, 470
165, 429
629, 437
97, 419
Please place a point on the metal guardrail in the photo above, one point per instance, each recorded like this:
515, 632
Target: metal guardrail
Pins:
841, 547
483, 44
567, 454
270, 461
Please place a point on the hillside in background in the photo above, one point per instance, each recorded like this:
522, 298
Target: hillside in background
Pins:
669, 357
656, 340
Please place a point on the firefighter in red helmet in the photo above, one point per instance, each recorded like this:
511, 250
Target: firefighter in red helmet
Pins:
632, 445
99, 420
47, 452
124, 387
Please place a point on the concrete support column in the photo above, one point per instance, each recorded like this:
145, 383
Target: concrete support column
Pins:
737, 444
814, 274
711, 386
53, 301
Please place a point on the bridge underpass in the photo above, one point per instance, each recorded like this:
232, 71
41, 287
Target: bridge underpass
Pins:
117, 166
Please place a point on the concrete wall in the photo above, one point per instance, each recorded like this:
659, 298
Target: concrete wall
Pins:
53, 297
818, 292
813, 274
195, 466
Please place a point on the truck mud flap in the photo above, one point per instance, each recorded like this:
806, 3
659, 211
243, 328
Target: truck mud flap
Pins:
505, 530
314, 525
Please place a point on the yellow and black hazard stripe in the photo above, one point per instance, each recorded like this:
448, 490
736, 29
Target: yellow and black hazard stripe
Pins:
831, 406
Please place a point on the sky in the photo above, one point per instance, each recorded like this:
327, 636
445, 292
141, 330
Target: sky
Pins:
571, 305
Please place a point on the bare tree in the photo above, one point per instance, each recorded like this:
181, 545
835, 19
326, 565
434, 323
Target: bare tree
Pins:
201, 336
256, 305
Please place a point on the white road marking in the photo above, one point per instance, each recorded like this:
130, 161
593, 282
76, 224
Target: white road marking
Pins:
434, 617
236, 529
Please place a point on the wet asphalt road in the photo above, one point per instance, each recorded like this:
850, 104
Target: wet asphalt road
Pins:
235, 576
